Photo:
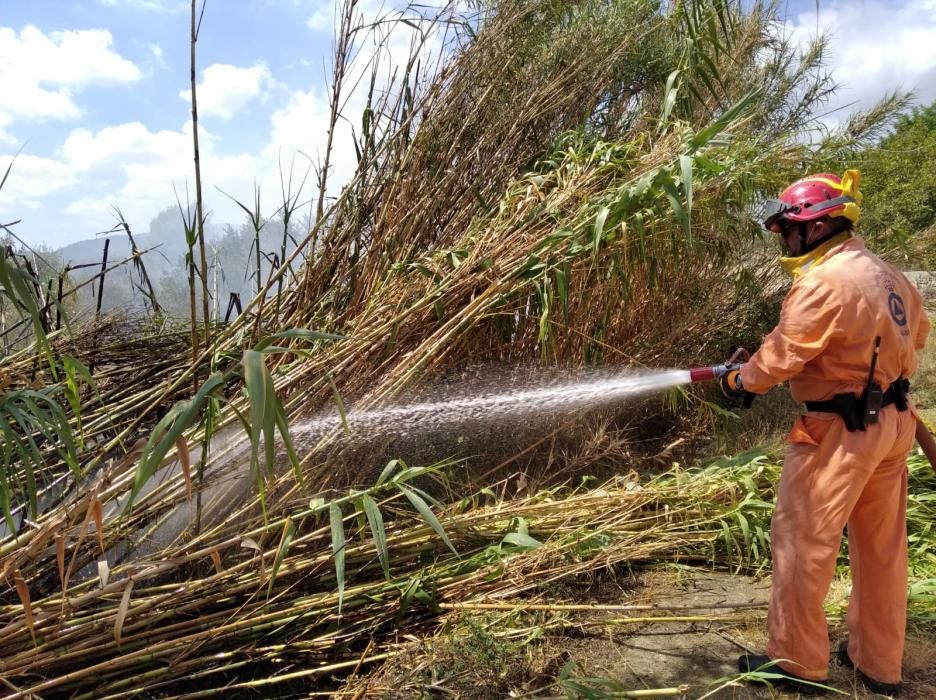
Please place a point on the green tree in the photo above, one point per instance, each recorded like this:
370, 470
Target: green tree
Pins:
899, 184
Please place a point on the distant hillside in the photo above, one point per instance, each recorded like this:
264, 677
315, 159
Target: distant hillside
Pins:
232, 262
91, 250
119, 289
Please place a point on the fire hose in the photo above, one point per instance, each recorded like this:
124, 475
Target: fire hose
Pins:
926, 441
924, 436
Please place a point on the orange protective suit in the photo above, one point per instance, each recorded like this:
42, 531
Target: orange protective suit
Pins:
842, 297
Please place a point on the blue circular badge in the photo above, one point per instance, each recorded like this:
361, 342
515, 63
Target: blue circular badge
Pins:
897, 310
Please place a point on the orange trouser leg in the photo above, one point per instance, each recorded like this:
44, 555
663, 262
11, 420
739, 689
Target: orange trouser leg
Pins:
877, 545
824, 476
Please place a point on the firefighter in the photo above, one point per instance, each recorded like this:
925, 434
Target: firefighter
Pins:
847, 341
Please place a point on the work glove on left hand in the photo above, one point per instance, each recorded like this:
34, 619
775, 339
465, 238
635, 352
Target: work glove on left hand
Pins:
733, 388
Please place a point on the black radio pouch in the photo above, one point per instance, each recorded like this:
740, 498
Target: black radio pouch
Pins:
870, 403
901, 388
858, 412
872, 398
845, 405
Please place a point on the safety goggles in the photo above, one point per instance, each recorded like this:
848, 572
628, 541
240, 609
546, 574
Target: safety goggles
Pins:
775, 211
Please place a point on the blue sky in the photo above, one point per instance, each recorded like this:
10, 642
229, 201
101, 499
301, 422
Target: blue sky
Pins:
92, 96
103, 118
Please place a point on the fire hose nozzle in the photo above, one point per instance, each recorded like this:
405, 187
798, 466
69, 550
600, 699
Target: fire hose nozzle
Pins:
707, 374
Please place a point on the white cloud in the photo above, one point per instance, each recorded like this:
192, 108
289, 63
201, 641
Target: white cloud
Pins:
94, 210
131, 142
129, 166
31, 179
301, 124
300, 129
146, 164
877, 47
159, 57
149, 164
39, 73
164, 7
135, 167
322, 18
224, 89
74, 58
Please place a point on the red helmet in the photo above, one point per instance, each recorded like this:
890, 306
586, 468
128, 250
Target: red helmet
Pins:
817, 196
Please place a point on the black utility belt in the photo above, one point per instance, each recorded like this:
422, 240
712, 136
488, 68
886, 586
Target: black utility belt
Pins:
859, 412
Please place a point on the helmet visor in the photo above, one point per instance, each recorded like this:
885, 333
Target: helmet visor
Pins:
774, 211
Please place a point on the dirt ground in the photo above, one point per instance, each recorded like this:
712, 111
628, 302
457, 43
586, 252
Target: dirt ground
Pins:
663, 655
704, 655
598, 655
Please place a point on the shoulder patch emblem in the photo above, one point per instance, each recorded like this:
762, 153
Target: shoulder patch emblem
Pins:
897, 309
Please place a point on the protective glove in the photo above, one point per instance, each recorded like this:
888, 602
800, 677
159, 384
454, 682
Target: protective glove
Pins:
731, 384
733, 388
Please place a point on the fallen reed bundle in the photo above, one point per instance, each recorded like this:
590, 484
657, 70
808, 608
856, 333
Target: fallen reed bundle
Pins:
121, 358
302, 598
266, 601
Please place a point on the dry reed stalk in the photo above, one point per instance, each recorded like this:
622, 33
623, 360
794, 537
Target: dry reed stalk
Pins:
594, 607
195, 28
